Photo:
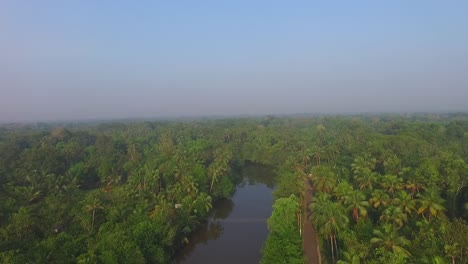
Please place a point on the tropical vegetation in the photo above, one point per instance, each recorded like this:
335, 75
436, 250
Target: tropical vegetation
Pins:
388, 188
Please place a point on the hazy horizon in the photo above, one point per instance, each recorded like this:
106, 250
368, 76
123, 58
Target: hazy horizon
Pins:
64, 60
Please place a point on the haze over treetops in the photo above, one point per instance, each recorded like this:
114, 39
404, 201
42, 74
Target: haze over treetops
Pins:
101, 59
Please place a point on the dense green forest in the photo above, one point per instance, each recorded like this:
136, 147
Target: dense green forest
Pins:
388, 188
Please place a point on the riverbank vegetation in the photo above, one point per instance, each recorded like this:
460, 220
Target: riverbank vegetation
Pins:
284, 244
388, 187
392, 192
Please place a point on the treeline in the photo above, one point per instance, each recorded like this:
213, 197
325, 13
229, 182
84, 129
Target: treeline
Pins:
391, 192
133, 192
120, 192
116, 192
388, 189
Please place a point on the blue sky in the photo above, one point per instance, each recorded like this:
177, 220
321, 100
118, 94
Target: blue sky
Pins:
119, 59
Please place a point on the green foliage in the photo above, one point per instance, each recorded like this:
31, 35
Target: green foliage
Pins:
118, 247
224, 188
288, 183
324, 178
284, 242
133, 192
60, 248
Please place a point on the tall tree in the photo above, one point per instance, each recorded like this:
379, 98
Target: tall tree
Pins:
405, 202
92, 206
389, 239
379, 198
392, 183
357, 203
329, 218
324, 178
430, 204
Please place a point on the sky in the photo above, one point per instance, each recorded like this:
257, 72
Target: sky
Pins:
71, 60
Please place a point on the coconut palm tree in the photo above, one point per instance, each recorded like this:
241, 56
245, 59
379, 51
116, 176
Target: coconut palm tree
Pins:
220, 165
162, 208
94, 205
329, 218
367, 179
357, 203
395, 216
379, 198
342, 190
452, 251
363, 165
202, 204
392, 164
414, 186
392, 183
324, 179
304, 154
430, 204
189, 186
405, 202
333, 152
389, 239
365, 161
214, 172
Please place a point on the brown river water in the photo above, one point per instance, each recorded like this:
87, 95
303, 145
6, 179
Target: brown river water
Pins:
237, 228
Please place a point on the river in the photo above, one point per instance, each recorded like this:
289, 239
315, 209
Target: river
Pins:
237, 229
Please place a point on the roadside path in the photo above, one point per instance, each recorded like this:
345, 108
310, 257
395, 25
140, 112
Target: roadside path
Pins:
309, 236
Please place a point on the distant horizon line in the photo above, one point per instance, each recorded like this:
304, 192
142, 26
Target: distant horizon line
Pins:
187, 117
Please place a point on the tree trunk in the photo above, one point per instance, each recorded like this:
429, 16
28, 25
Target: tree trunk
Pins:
211, 185
355, 214
319, 254
336, 246
332, 248
92, 223
299, 222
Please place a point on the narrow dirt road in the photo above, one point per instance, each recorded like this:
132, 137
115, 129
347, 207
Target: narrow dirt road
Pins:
309, 237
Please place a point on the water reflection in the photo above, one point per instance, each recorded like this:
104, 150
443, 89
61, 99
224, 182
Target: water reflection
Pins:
252, 174
210, 230
222, 208
236, 229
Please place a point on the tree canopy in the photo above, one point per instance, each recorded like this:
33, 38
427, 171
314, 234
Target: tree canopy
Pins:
388, 188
